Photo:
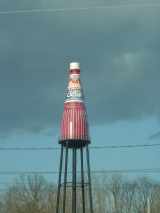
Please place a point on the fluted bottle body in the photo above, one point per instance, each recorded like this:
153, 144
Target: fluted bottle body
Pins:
74, 123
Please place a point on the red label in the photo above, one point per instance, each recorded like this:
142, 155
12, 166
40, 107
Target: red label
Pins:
74, 82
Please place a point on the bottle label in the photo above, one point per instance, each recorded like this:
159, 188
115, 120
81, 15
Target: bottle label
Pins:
74, 82
74, 95
74, 92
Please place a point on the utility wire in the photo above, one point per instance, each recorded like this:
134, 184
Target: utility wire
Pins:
108, 79
84, 65
128, 146
86, 70
43, 68
92, 147
93, 184
80, 9
18, 66
103, 171
108, 186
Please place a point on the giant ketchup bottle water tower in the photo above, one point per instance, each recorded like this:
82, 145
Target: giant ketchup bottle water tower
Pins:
74, 137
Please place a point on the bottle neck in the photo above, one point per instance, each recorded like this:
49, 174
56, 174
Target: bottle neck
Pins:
74, 71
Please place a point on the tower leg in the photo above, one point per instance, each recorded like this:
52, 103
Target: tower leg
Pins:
59, 179
65, 178
89, 179
74, 182
82, 180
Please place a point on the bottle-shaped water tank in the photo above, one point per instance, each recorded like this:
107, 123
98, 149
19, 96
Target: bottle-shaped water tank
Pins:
74, 125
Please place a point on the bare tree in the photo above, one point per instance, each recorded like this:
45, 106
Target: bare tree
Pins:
145, 188
114, 194
2, 206
99, 186
128, 192
30, 194
157, 202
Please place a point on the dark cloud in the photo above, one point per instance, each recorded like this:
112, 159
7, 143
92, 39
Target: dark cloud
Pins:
118, 49
154, 136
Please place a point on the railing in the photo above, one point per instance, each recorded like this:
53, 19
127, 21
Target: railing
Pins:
68, 137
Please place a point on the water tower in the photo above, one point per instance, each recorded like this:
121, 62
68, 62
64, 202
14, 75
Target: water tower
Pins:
75, 138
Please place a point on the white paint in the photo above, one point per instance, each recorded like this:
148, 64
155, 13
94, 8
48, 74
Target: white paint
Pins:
74, 65
70, 128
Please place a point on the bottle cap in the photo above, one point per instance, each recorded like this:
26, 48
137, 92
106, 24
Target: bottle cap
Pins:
74, 65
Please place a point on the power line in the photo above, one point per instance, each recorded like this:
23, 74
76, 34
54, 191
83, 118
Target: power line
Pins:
94, 189
80, 9
18, 66
93, 184
44, 68
91, 70
96, 147
98, 172
127, 146
105, 79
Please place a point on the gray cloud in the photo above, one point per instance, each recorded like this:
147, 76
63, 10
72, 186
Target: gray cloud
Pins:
112, 45
154, 136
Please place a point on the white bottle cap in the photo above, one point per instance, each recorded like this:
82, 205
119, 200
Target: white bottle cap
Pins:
74, 65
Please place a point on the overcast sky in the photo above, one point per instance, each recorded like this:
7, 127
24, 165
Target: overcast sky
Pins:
119, 52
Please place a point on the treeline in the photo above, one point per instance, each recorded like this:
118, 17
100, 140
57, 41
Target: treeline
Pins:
116, 194
111, 194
